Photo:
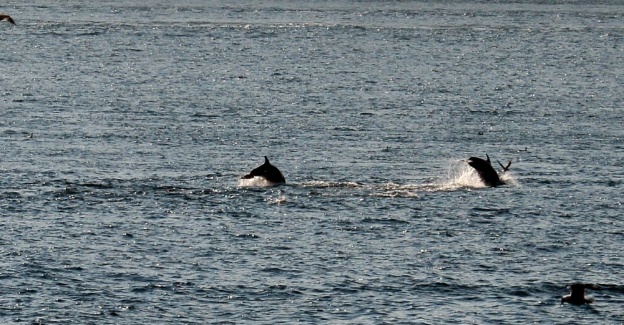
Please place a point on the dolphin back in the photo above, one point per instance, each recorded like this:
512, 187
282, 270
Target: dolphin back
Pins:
268, 172
486, 172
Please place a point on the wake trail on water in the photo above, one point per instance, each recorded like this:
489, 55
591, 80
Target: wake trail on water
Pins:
459, 176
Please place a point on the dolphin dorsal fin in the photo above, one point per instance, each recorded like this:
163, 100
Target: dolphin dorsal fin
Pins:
488, 159
505, 168
266, 160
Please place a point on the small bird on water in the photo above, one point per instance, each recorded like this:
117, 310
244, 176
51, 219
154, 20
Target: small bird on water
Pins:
8, 18
577, 295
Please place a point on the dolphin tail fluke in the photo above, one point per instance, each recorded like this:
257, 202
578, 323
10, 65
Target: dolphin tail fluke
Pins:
505, 168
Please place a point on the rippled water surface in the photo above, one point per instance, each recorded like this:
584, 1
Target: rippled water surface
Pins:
126, 126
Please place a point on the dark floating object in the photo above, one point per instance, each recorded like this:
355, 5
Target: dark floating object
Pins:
577, 294
268, 172
8, 18
486, 172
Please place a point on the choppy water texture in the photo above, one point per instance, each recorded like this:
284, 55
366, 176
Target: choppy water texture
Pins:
125, 127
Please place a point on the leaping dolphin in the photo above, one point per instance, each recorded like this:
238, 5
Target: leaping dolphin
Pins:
486, 172
577, 295
267, 171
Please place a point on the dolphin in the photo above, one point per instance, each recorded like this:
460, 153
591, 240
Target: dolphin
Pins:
7, 18
577, 295
268, 172
486, 172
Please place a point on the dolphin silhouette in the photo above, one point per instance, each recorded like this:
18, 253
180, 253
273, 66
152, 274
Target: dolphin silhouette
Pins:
268, 172
577, 294
8, 18
486, 172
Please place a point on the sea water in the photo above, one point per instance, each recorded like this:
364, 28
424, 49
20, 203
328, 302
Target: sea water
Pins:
126, 127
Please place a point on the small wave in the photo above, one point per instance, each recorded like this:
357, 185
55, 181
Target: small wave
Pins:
397, 190
384, 190
384, 220
247, 236
326, 184
278, 200
396, 194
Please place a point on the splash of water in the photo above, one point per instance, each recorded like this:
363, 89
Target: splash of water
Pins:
255, 182
459, 176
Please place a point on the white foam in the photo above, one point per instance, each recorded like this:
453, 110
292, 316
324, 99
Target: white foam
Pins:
257, 181
508, 179
460, 176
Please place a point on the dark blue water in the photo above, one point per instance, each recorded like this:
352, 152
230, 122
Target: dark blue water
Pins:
125, 128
